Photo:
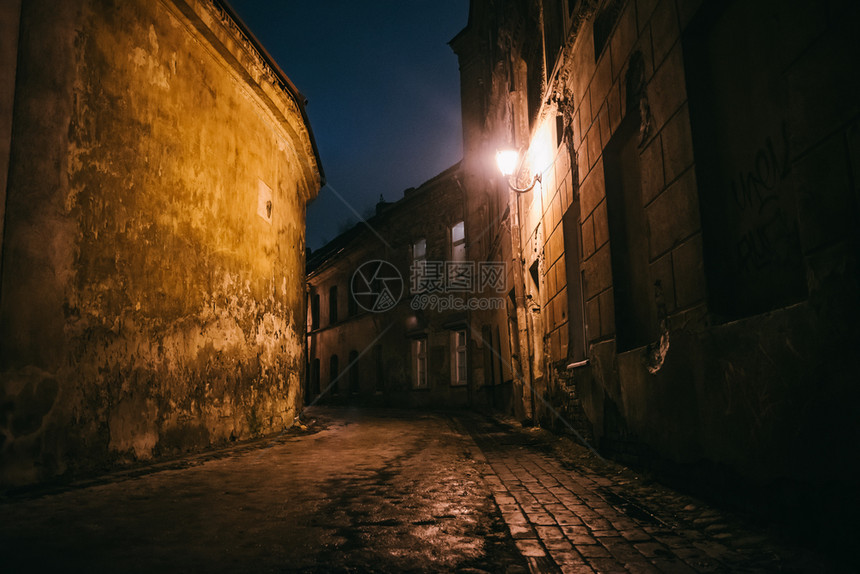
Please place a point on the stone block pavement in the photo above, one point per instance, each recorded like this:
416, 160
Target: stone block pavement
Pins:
385, 491
572, 518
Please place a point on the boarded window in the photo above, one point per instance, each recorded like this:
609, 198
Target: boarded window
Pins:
635, 311
740, 111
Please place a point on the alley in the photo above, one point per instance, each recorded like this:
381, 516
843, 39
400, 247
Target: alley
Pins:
383, 491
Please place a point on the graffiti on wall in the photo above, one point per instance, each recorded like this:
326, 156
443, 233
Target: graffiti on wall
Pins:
764, 229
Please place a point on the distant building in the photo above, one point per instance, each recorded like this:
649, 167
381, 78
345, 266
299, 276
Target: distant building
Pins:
393, 305
152, 301
686, 271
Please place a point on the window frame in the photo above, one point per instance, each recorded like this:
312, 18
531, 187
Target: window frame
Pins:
459, 358
457, 243
415, 243
417, 269
419, 364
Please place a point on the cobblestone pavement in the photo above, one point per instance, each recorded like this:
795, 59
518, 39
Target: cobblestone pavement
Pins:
384, 491
570, 511
372, 491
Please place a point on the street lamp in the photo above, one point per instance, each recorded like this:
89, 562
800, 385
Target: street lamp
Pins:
508, 160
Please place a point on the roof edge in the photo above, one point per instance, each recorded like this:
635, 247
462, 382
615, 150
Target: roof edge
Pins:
286, 84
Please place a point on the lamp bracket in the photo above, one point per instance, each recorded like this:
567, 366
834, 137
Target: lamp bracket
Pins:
525, 189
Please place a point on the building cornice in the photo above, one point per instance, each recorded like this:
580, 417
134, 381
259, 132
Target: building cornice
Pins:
230, 37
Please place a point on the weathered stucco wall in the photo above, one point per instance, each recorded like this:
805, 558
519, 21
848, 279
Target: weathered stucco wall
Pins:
151, 300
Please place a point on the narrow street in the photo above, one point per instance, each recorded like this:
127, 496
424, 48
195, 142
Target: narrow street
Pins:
382, 491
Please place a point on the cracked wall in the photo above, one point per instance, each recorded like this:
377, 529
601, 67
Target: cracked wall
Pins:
148, 306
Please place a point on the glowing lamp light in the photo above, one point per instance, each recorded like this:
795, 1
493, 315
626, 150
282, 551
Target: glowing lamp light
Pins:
507, 160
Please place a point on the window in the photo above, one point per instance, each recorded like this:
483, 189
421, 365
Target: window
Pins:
459, 369
458, 242
419, 250
603, 25
333, 374
752, 255
419, 269
553, 31
332, 305
534, 271
315, 311
635, 312
419, 363
571, 228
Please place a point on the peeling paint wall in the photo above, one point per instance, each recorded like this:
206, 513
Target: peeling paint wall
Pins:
148, 305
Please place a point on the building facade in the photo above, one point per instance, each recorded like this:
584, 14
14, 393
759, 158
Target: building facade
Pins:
393, 305
686, 270
159, 164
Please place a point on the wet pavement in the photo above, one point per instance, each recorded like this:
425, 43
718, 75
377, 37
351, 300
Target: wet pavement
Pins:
384, 491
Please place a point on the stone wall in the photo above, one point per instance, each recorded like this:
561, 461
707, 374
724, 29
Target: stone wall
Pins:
152, 292
699, 177
730, 352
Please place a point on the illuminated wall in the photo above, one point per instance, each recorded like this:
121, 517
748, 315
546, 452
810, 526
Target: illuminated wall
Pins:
153, 261
688, 265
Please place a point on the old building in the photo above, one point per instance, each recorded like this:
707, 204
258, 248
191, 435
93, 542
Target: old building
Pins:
394, 307
686, 266
159, 164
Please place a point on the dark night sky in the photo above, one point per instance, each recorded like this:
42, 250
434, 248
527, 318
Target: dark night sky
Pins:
383, 93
